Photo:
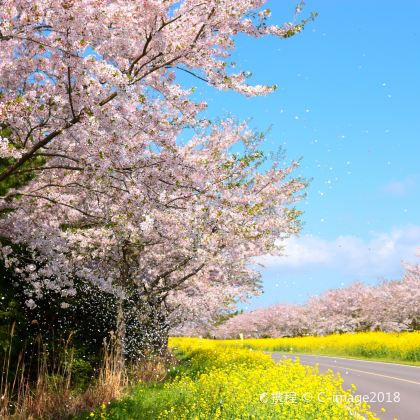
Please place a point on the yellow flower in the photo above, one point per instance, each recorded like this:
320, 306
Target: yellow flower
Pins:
232, 378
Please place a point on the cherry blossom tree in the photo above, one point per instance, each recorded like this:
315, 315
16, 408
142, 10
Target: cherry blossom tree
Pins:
397, 303
75, 71
340, 310
174, 225
91, 109
388, 306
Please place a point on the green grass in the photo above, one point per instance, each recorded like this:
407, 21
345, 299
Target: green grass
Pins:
146, 401
143, 402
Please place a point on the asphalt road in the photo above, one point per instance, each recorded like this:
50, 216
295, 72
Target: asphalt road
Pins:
384, 385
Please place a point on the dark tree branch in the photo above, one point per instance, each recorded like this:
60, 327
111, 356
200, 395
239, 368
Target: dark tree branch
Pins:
69, 90
54, 202
170, 271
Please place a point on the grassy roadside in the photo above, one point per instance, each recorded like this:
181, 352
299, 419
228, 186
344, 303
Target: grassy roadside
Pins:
345, 356
216, 382
146, 400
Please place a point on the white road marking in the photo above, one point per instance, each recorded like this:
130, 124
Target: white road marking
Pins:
370, 373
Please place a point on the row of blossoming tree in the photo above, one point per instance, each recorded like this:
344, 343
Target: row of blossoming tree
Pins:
387, 306
111, 177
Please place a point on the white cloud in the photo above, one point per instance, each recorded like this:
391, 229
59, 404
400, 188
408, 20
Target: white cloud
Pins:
378, 256
401, 187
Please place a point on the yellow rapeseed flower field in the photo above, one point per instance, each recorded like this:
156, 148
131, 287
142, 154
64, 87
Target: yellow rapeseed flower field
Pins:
237, 383
403, 347
237, 379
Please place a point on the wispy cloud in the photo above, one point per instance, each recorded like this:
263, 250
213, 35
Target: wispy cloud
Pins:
351, 255
401, 187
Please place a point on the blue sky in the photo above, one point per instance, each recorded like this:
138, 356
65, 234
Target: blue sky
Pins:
348, 103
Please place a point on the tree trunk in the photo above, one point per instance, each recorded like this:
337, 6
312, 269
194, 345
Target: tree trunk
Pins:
155, 329
159, 342
120, 332
142, 328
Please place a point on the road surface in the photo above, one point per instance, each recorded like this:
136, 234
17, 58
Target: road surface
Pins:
391, 386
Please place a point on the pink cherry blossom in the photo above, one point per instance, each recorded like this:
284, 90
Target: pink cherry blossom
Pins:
388, 306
